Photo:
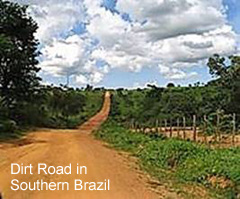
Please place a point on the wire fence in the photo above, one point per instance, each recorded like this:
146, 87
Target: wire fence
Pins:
216, 128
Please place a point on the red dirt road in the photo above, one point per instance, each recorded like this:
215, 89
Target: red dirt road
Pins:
62, 147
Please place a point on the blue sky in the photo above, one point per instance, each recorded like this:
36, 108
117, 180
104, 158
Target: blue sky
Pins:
233, 13
125, 79
129, 44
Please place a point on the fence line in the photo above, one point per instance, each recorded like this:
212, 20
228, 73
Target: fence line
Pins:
199, 132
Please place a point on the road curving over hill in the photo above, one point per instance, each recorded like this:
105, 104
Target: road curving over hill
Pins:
65, 147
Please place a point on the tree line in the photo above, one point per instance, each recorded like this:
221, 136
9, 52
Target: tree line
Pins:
222, 94
24, 101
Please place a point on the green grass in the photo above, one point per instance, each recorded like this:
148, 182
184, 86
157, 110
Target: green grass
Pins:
181, 161
10, 136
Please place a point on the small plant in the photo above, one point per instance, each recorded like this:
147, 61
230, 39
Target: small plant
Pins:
8, 126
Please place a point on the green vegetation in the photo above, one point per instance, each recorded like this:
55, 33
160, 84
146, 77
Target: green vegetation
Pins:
178, 161
182, 162
58, 107
24, 102
52, 107
19, 52
147, 105
221, 95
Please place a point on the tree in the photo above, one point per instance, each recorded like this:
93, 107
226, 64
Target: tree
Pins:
89, 88
18, 54
73, 103
170, 85
228, 73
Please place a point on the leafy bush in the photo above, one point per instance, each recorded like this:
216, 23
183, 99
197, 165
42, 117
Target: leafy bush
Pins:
170, 153
8, 126
220, 162
121, 138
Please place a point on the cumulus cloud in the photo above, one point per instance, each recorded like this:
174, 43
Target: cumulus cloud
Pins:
198, 45
175, 74
171, 35
194, 47
55, 18
64, 56
170, 18
70, 57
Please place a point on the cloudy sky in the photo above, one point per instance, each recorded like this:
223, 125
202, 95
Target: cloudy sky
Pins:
128, 43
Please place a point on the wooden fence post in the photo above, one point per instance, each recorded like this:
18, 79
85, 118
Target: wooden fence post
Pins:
165, 129
234, 129
160, 126
205, 128
178, 128
136, 126
218, 134
194, 129
132, 124
184, 128
141, 128
157, 130
171, 129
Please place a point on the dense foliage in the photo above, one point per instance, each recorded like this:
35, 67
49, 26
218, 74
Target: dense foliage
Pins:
59, 107
53, 107
24, 102
221, 95
181, 161
217, 169
147, 105
18, 55
227, 72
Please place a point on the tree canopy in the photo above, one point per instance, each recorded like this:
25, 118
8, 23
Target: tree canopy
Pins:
18, 54
227, 72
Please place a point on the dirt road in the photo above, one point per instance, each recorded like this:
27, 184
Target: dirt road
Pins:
62, 147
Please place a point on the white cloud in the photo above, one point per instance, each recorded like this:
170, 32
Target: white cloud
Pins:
64, 57
171, 18
175, 74
171, 35
93, 78
81, 79
142, 85
55, 18
107, 27
70, 57
174, 34
193, 48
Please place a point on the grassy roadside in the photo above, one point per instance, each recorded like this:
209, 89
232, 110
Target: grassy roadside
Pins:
180, 162
10, 136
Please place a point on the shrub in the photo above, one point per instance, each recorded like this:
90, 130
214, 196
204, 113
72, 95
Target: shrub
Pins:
8, 126
170, 153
